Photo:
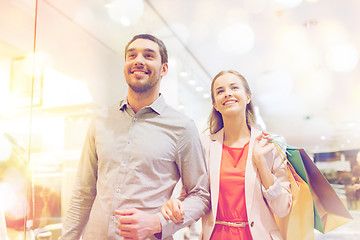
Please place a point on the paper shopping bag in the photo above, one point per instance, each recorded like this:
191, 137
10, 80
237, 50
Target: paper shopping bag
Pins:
329, 211
299, 223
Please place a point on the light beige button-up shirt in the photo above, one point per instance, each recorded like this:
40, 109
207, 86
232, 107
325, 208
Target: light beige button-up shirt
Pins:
134, 161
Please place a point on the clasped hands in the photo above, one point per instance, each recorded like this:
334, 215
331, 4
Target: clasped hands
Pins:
137, 224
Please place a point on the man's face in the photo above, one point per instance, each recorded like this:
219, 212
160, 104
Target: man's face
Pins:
143, 68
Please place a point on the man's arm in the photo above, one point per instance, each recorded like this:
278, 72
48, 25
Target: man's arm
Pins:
84, 191
191, 164
139, 225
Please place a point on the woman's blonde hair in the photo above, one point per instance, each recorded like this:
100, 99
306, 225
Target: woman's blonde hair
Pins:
215, 119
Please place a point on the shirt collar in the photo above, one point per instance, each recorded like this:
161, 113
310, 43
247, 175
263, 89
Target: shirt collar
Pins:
157, 106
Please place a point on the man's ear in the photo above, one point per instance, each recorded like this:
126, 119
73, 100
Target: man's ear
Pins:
164, 69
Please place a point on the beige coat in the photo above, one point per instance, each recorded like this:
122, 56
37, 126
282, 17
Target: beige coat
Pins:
259, 210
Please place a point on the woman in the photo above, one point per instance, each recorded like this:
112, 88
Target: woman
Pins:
248, 180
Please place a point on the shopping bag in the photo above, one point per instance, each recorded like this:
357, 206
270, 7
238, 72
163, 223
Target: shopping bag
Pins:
299, 223
329, 210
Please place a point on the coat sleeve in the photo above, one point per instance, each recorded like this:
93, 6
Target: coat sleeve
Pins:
278, 196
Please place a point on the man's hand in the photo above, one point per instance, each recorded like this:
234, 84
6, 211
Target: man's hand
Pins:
136, 224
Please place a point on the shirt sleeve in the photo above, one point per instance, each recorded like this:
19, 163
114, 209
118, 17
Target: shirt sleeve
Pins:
191, 164
84, 191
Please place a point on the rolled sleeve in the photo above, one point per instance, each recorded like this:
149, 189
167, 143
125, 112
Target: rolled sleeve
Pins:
274, 191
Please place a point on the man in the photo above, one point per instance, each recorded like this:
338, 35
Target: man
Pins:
134, 154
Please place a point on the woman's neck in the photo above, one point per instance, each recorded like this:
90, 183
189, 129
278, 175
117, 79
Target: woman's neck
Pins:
236, 132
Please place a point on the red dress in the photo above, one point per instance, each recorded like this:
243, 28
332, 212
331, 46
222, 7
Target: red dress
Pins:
231, 205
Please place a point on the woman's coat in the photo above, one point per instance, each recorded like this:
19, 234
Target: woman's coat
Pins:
259, 209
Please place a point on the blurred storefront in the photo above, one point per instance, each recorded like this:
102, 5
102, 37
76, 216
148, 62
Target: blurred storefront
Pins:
61, 60
57, 64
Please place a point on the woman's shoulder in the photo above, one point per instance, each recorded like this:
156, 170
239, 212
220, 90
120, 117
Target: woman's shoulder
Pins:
205, 138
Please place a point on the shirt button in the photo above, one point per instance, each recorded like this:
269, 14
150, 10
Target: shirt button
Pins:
118, 190
123, 164
113, 218
135, 119
251, 224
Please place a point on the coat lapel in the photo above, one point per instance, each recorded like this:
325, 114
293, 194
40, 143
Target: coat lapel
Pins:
250, 173
215, 162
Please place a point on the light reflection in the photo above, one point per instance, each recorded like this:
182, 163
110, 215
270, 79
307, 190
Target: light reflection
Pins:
5, 149
62, 90
290, 3
15, 178
236, 39
181, 31
255, 6
7, 196
4, 91
342, 57
126, 12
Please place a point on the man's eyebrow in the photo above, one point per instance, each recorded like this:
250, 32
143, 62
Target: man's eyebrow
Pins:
149, 50
145, 50
218, 88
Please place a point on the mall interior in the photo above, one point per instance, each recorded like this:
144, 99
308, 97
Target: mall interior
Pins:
62, 59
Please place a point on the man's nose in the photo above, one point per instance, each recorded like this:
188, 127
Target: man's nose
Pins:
139, 61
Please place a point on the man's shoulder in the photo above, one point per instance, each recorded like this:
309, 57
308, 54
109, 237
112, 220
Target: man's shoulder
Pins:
104, 111
175, 114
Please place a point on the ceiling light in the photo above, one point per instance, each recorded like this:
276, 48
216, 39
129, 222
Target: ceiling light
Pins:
192, 82
199, 89
206, 95
183, 74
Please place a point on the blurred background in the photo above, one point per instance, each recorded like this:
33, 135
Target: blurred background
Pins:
60, 59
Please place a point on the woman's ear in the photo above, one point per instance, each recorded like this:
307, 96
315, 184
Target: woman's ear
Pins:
214, 105
248, 99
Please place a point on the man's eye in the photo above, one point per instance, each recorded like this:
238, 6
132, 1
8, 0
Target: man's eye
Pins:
148, 56
220, 91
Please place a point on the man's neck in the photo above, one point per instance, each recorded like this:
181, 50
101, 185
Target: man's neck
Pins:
137, 101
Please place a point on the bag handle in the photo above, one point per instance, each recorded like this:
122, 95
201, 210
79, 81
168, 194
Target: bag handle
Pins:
282, 155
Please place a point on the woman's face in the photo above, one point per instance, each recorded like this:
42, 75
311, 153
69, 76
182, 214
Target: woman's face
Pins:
230, 96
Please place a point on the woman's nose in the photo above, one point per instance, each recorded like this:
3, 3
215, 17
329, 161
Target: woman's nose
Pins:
227, 93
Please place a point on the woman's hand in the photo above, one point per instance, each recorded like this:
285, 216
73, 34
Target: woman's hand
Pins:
262, 147
174, 210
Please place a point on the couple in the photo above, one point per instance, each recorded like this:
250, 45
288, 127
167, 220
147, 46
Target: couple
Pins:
137, 150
